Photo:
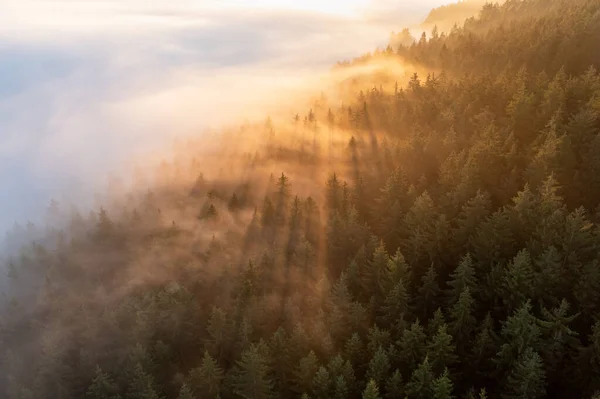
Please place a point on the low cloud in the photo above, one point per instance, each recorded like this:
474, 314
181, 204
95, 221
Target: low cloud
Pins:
88, 85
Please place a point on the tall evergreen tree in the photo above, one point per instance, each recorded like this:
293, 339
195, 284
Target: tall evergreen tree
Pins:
252, 378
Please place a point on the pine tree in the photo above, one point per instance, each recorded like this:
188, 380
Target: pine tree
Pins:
395, 305
440, 350
375, 277
420, 385
394, 387
493, 240
321, 384
206, 380
438, 320
558, 339
305, 372
520, 332
428, 293
341, 388
462, 277
142, 385
472, 213
549, 273
462, 321
268, 216
334, 194
483, 348
412, 345
518, 283
379, 367
219, 333
280, 359
354, 349
350, 378
252, 377
371, 391
420, 223
442, 387
378, 338
103, 387
527, 378
185, 393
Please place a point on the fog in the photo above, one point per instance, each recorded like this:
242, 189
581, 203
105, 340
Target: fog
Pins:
90, 86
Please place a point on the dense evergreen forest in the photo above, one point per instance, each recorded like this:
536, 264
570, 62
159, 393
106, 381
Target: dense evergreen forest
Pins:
435, 237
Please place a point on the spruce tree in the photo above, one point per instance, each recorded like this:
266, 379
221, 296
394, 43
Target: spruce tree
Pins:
252, 377
420, 385
206, 379
371, 391
442, 387
527, 378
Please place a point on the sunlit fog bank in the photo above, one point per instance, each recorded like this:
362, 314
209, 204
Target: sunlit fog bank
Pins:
88, 85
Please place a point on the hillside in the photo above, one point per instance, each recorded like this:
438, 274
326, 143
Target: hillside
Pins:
426, 229
446, 16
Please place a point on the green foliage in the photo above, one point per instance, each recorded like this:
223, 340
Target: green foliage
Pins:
142, 385
462, 319
394, 387
252, 375
527, 378
206, 379
185, 393
440, 350
305, 371
463, 277
442, 387
103, 387
321, 384
421, 382
371, 391
379, 367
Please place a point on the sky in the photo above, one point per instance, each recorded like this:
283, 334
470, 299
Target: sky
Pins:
88, 85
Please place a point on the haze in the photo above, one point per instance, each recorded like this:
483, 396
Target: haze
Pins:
88, 85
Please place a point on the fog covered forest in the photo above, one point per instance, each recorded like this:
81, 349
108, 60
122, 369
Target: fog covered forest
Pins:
426, 229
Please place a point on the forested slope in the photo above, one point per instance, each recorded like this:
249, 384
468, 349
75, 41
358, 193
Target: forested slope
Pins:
448, 15
435, 238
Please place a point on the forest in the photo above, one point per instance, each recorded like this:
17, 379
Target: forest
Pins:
425, 232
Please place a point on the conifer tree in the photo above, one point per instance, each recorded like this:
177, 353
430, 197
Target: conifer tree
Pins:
305, 371
252, 378
340, 390
440, 350
394, 387
395, 304
321, 384
442, 387
412, 345
462, 321
142, 385
462, 277
379, 367
206, 379
185, 392
527, 378
420, 385
520, 333
103, 386
518, 282
428, 293
371, 391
